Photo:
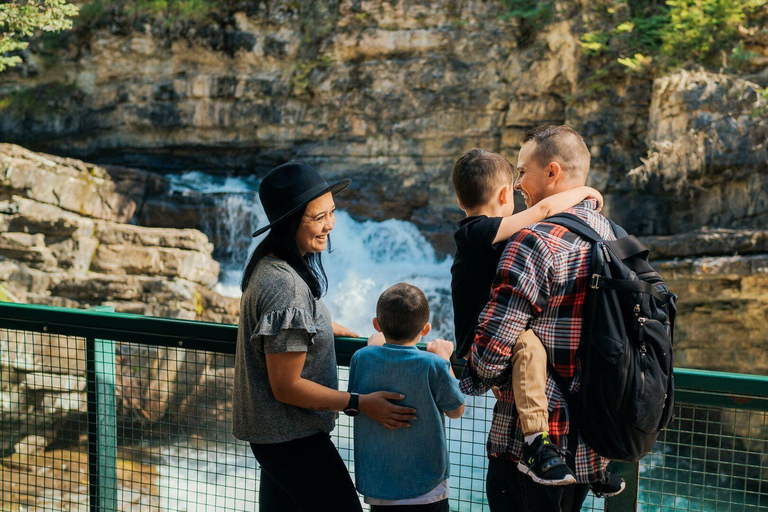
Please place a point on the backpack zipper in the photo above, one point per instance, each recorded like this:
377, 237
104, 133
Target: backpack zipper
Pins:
643, 351
605, 253
625, 369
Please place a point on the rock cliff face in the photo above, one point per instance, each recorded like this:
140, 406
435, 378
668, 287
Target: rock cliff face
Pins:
390, 93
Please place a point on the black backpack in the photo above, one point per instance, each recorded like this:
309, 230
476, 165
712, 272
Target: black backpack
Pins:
627, 388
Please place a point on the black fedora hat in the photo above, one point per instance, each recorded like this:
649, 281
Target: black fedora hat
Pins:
290, 187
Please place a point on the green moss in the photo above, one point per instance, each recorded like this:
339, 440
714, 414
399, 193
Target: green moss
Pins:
761, 111
533, 15
165, 12
535, 12
172, 10
300, 81
90, 12
41, 100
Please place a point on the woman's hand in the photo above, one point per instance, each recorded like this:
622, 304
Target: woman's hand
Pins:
340, 330
378, 407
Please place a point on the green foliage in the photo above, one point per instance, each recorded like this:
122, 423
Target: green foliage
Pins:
642, 35
21, 19
533, 16
700, 29
90, 12
628, 34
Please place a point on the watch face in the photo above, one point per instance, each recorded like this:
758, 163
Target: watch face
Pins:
351, 412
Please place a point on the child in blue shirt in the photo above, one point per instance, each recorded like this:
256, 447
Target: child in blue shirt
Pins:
407, 467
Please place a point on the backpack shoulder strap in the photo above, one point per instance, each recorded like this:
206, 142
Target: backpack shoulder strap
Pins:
575, 225
619, 231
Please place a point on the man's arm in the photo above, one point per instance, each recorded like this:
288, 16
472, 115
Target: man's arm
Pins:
520, 291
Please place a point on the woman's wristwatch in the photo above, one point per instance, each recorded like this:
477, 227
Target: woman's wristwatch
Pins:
353, 407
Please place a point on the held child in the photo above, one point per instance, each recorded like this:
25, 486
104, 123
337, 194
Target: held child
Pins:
483, 182
405, 469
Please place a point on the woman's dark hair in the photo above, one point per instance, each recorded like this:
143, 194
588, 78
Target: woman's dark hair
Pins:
281, 241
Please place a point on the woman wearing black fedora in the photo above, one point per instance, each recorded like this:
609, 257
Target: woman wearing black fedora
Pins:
286, 393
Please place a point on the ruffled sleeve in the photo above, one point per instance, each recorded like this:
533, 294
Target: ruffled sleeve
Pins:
285, 330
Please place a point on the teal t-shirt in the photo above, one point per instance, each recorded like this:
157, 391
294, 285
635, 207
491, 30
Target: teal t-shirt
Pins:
407, 462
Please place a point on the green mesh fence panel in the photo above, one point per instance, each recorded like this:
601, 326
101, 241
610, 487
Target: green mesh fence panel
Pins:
710, 459
162, 441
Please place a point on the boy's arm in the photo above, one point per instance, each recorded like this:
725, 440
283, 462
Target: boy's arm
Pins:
545, 208
448, 391
456, 413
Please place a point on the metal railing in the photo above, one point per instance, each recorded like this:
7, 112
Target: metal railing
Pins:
108, 411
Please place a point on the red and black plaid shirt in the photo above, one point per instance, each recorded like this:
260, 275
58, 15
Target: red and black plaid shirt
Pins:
541, 284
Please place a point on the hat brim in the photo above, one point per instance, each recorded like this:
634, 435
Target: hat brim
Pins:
333, 189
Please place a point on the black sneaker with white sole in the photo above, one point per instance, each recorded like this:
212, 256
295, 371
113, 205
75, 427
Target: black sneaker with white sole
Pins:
545, 463
609, 487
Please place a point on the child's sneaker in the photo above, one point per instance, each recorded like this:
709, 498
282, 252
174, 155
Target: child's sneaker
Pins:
609, 487
544, 462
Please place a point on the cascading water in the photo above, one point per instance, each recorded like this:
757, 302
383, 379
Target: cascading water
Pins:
238, 210
366, 257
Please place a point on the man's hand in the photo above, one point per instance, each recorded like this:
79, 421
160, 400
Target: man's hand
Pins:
376, 339
378, 407
442, 348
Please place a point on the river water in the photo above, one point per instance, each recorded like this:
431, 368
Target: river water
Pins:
366, 258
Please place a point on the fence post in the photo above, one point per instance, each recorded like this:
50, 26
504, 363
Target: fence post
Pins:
627, 500
102, 423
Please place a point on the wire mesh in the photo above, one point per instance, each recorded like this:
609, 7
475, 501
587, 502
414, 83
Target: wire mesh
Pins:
710, 459
167, 436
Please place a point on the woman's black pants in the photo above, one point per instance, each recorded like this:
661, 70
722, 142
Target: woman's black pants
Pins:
304, 475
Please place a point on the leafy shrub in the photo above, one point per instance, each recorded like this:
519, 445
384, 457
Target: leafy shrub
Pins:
643, 34
699, 30
20, 20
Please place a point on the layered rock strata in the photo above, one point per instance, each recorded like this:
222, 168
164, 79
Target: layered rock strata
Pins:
721, 277
65, 241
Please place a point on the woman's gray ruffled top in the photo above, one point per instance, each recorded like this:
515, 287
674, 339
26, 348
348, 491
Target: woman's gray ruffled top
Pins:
278, 314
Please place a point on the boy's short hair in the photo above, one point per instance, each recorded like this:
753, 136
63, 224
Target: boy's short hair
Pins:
403, 311
477, 174
561, 144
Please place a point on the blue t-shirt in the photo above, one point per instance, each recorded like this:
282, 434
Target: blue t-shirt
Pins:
407, 462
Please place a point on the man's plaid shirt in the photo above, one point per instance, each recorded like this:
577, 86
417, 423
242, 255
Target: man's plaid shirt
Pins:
541, 284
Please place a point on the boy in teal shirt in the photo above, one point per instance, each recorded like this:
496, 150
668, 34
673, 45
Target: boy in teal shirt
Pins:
406, 468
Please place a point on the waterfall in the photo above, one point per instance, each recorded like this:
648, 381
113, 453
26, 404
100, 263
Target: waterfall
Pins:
366, 257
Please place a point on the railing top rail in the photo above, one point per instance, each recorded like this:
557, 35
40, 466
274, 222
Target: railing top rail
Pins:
222, 338
119, 327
